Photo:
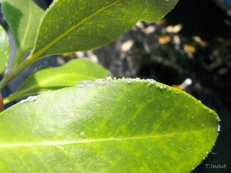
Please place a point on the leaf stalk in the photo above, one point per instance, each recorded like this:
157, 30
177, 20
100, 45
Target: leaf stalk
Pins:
13, 72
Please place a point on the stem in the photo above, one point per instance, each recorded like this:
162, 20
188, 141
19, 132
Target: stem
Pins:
8, 99
17, 58
12, 73
14, 96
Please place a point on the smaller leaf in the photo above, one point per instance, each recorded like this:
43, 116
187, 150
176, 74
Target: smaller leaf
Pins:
4, 49
23, 17
45, 79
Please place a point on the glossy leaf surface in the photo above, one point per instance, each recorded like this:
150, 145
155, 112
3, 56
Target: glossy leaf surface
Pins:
4, 49
46, 79
23, 17
76, 25
114, 126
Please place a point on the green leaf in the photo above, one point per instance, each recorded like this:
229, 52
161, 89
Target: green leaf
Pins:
45, 79
23, 17
76, 25
114, 126
4, 49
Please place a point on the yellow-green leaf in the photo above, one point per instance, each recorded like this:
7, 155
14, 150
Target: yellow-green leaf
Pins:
74, 25
46, 79
114, 126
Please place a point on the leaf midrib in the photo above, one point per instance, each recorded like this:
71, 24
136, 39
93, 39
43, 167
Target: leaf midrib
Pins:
42, 50
54, 143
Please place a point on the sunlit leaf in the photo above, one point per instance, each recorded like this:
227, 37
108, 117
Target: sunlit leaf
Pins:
46, 79
74, 25
114, 126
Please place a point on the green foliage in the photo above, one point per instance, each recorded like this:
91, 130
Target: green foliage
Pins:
4, 49
107, 126
23, 17
46, 79
86, 25
112, 125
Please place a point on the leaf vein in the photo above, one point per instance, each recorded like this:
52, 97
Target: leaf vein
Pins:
42, 50
54, 143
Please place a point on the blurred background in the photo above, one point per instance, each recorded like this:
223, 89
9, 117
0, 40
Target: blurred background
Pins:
193, 41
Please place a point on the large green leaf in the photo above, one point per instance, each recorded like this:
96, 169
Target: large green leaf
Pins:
114, 126
23, 17
4, 49
45, 79
74, 25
